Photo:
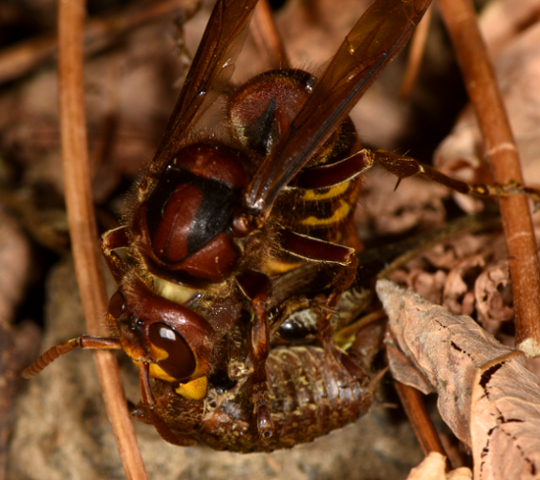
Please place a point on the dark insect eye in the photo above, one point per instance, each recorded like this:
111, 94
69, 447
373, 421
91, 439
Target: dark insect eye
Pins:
117, 305
180, 364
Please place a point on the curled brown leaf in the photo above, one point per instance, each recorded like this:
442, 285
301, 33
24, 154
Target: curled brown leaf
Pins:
487, 396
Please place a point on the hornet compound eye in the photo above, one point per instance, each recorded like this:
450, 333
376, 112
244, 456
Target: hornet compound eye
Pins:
174, 355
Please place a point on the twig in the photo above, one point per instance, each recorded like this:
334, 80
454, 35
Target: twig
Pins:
83, 228
423, 427
500, 148
265, 33
416, 51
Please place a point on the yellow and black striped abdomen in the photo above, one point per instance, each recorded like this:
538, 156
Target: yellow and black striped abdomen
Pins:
322, 198
318, 212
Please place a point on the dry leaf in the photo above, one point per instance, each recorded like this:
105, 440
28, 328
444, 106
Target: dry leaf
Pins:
17, 344
493, 292
487, 396
502, 20
458, 296
468, 275
462, 473
505, 413
433, 468
14, 267
416, 204
447, 272
409, 374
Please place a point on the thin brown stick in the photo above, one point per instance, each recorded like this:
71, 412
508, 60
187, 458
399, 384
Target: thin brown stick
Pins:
83, 228
266, 35
22, 58
423, 427
416, 51
500, 148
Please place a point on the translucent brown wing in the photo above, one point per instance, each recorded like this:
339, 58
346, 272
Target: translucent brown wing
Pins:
373, 42
212, 67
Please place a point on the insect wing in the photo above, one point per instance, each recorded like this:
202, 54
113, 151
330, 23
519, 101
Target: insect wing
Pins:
373, 42
212, 66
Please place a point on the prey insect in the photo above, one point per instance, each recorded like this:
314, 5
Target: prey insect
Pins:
231, 239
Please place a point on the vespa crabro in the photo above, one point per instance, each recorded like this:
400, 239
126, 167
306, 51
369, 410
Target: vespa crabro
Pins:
230, 238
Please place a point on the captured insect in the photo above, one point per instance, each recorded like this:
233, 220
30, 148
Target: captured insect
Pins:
237, 264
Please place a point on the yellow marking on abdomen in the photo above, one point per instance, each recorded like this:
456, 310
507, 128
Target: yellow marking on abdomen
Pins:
311, 195
339, 214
